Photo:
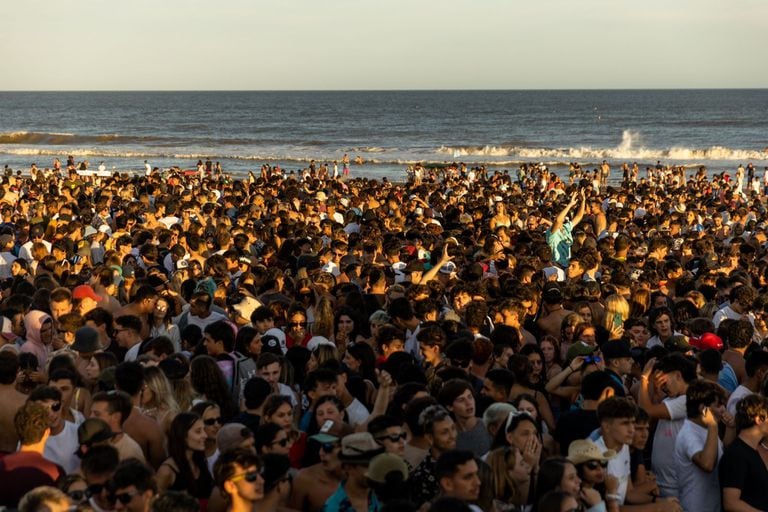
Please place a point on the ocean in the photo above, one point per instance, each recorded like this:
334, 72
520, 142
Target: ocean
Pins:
388, 129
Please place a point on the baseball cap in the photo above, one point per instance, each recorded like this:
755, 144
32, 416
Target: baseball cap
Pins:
360, 447
706, 341
330, 432
86, 340
231, 436
83, 291
93, 430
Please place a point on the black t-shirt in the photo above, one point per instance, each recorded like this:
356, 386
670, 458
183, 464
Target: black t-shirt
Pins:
575, 424
742, 468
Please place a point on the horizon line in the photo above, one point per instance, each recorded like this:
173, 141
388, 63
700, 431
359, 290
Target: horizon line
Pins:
397, 90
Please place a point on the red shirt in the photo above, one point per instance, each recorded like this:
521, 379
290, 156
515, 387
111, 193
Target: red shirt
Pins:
26, 470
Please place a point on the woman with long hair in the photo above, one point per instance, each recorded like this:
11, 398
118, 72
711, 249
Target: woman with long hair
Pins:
639, 302
522, 369
511, 477
591, 465
210, 385
98, 362
278, 409
186, 468
157, 399
161, 321
568, 331
346, 328
210, 413
559, 474
616, 313
553, 361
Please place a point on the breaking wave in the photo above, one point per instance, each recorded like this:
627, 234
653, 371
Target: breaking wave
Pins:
628, 149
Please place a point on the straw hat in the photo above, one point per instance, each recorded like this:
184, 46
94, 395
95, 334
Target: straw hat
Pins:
584, 450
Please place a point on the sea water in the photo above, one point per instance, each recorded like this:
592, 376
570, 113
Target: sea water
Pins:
387, 129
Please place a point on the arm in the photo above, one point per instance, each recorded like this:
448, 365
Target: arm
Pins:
165, 477
560, 219
382, 399
706, 459
582, 209
656, 411
556, 382
732, 501
431, 273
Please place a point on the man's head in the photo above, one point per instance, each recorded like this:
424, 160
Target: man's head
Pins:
113, 407
255, 392
128, 330
701, 395
145, 298
740, 333
31, 423
98, 466
618, 357
133, 486
458, 475
219, 338
268, 367
239, 476
457, 397
61, 302
752, 412
129, 377
388, 432
617, 419
66, 382
498, 384
597, 386
45, 498
50, 398
439, 428
675, 372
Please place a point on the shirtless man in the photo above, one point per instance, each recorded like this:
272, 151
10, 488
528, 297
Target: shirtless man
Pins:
553, 311
11, 399
315, 484
143, 304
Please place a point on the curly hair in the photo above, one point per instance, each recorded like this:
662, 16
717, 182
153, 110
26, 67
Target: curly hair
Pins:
31, 422
207, 380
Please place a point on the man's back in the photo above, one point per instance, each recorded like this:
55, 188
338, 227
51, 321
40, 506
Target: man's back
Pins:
26, 470
148, 434
12, 400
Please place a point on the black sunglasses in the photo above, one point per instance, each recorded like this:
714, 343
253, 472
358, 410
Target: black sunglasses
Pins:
212, 421
76, 495
393, 437
125, 497
329, 447
297, 324
250, 476
594, 464
283, 442
94, 490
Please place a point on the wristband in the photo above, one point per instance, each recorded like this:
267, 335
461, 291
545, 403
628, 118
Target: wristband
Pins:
613, 497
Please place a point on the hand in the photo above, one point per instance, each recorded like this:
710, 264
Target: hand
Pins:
384, 378
577, 363
617, 331
708, 418
648, 369
532, 452
669, 505
590, 497
727, 419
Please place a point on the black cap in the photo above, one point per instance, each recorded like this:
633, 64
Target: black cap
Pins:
615, 350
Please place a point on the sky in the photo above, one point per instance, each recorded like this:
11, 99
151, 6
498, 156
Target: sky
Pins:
384, 44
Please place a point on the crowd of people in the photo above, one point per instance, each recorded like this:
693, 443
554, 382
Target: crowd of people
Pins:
471, 339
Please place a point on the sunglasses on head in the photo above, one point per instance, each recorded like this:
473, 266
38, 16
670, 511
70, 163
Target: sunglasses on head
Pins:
125, 497
212, 421
594, 464
393, 437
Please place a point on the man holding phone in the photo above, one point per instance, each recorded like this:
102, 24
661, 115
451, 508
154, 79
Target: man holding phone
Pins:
698, 448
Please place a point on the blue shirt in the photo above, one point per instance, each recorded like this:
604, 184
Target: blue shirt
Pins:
560, 242
339, 501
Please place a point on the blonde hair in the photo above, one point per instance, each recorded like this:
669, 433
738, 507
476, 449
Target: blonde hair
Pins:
323, 324
615, 305
162, 391
500, 461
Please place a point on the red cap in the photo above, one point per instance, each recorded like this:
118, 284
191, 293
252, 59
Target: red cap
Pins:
83, 291
706, 341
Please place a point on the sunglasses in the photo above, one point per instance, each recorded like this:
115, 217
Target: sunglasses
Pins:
283, 442
393, 437
212, 421
594, 464
76, 495
329, 447
56, 406
94, 490
125, 497
297, 324
250, 476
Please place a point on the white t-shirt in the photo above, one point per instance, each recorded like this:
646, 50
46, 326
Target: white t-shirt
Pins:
61, 448
619, 467
202, 323
663, 456
698, 490
738, 393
